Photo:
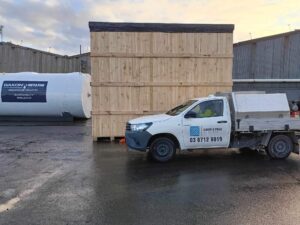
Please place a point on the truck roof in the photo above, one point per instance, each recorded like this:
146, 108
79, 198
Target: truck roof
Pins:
208, 97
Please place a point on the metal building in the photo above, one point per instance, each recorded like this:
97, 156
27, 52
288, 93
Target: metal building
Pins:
16, 58
270, 63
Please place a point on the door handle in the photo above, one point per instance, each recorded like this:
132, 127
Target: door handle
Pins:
222, 121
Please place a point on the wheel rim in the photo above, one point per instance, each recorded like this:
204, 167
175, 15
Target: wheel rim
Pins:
163, 150
280, 148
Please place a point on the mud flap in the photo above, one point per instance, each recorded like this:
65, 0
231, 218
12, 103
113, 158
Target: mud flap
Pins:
296, 149
296, 143
294, 137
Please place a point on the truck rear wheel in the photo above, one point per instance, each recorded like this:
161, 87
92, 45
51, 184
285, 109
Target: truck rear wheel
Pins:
280, 147
162, 149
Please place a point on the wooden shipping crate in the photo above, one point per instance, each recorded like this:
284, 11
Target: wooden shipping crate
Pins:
141, 69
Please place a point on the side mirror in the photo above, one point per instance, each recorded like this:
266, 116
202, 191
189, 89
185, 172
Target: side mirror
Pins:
190, 114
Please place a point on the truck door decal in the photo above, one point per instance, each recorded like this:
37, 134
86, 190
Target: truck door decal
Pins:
204, 135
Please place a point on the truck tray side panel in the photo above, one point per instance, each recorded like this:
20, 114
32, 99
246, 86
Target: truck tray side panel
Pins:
265, 124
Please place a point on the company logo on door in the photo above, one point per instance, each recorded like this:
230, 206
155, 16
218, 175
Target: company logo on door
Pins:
24, 91
194, 131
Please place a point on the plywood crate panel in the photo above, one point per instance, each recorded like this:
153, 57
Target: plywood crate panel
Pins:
142, 69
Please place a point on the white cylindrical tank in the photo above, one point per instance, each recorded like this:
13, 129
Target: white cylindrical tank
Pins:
45, 94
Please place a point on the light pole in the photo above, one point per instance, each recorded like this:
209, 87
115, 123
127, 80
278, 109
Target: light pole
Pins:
1, 32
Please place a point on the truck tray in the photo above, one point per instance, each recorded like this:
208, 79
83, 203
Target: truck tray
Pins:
265, 124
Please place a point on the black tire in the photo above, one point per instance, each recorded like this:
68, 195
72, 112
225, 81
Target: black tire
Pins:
162, 149
280, 147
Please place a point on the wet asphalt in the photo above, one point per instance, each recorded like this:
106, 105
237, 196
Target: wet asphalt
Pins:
57, 175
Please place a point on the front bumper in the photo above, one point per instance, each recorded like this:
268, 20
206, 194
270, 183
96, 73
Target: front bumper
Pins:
137, 140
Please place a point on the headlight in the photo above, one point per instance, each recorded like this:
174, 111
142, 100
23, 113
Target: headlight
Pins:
140, 127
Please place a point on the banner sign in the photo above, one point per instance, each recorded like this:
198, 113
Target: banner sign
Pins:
24, 91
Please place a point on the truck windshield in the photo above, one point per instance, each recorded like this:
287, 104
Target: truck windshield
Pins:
179, 109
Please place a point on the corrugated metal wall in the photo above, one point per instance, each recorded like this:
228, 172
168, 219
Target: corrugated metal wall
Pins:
291, 89
276, 57
15, 58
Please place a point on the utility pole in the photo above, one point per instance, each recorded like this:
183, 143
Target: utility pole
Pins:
250, 34
1, 32
80, 63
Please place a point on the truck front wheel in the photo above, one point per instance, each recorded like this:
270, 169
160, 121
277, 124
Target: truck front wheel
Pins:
280, 147
162, 149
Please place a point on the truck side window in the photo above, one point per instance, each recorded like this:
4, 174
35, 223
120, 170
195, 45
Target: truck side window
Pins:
212, 108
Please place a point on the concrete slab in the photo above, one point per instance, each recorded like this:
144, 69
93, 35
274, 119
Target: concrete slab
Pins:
57, 175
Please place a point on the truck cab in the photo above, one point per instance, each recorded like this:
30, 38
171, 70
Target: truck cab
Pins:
254, 120
199, 123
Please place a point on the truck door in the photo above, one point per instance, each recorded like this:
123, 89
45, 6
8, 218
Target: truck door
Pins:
207, 125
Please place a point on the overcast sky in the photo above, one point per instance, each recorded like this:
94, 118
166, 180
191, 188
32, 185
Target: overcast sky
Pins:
63, 24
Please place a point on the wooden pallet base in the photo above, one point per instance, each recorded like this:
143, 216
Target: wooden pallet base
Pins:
108, 139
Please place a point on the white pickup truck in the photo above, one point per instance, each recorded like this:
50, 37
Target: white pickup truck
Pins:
253, 120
